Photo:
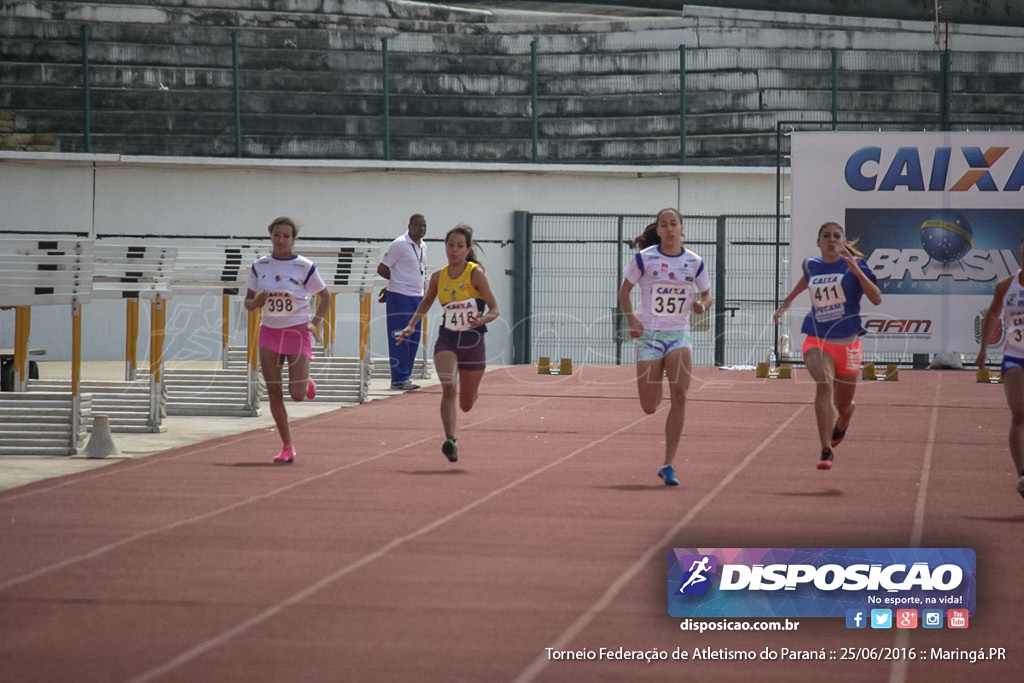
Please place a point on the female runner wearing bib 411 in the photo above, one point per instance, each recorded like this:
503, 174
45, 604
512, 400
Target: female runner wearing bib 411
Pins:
460, 356
1008, 301
673, 281
832, 352
281, 283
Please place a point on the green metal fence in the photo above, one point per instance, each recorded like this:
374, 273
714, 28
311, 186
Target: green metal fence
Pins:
568, 268
330, 94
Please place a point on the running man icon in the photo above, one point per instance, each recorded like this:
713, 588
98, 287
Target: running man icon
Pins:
697, 570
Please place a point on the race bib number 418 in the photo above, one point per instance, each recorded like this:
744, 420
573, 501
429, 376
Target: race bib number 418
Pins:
459, 315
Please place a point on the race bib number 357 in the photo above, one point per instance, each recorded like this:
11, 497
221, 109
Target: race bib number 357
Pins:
670, 300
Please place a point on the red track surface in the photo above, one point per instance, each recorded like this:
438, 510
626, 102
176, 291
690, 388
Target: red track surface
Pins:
374, 559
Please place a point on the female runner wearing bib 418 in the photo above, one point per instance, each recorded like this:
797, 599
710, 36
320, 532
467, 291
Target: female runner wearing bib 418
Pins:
832, 352
460, 356
1008, 301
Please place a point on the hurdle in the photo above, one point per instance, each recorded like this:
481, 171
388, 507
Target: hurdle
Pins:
41, 270
128, 271
217, 268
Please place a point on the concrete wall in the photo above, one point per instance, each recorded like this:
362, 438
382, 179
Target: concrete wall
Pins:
109, 195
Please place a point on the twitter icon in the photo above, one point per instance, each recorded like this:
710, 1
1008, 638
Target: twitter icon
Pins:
881, 618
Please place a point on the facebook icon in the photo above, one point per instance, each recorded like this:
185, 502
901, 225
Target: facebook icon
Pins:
856, 618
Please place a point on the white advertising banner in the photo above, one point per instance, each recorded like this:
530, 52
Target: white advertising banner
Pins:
938, 216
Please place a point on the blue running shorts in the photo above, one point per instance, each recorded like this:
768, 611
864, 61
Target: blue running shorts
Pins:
656, 345
1009, 363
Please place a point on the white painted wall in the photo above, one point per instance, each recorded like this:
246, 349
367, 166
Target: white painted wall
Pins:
103, 195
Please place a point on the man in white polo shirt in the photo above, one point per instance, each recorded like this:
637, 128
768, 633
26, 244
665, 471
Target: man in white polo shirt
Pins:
404, 267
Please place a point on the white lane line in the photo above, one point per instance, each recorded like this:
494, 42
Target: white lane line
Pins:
898, 672
313, 588
228, 508
567, 636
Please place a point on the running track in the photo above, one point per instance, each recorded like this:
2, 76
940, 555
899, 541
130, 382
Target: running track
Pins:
374, 559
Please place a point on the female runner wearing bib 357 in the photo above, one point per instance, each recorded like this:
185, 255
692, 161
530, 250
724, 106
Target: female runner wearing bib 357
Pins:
1008, 300
460, 356
281, 283
673, 281
832, 352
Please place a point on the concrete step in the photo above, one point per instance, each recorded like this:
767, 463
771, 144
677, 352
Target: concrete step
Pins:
34, 400
35, 450
25, 429
187, 398
28, 438
32, 416
211, 409
87, 386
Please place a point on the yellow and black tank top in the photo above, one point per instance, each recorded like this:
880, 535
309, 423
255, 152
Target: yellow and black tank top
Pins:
462, 302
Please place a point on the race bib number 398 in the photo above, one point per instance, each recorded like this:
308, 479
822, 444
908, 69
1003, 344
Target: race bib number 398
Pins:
459, 315
279, 304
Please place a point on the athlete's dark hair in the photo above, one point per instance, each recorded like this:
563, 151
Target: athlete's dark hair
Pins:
649, 237
467, 232
284, 220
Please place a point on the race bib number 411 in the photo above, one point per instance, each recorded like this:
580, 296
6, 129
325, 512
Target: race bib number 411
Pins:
827, 297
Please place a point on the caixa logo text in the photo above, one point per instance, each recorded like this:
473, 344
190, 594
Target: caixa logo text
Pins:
831, 577
897, 326
907, 169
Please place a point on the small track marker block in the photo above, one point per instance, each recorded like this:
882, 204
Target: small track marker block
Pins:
565, 367
544, 366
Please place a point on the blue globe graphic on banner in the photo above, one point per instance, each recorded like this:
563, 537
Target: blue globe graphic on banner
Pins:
947, 237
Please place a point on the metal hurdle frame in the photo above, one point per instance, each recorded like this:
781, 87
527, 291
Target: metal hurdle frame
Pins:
47, 270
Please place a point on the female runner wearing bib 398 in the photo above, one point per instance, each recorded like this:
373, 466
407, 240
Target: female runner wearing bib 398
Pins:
281, 283
459, 353
1008, 300
832, 352
673, 281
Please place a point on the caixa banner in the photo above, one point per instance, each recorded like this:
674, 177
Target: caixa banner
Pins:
817, 582
938, 217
